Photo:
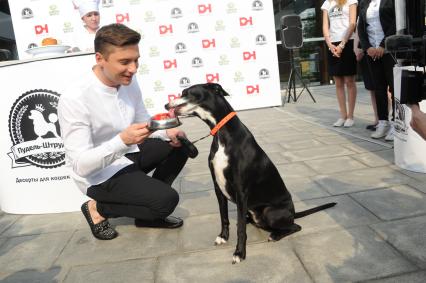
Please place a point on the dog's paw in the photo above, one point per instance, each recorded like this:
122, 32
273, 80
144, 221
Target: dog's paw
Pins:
238, 257
219, 241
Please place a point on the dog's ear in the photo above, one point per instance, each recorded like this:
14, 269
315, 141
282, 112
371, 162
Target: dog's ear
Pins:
217, 89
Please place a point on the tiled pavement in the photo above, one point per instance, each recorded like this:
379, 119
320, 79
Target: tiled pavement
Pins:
376, 233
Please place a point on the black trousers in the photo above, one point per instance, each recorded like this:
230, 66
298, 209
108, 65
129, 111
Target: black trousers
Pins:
132, 193
381, 71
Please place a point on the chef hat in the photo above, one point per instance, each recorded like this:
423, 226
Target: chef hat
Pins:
87, 6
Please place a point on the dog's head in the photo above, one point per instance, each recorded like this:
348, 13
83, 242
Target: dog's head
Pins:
206, 101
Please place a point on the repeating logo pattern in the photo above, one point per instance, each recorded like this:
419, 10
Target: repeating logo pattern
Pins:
230, 42
34, 130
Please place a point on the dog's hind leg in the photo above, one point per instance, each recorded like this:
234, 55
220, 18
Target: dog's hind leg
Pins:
281, 222
223, 237
240, 251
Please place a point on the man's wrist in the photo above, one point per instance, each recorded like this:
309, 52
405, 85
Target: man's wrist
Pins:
342, 45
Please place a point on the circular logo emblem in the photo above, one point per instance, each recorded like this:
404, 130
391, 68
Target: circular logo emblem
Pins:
34, 129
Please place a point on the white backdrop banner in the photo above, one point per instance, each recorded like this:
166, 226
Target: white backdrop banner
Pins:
183, 42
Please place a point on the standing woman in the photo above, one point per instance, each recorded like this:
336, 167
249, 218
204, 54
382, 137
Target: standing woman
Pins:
339, 21
376, 22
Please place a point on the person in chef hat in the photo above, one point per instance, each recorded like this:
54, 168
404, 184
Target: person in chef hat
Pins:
89, 14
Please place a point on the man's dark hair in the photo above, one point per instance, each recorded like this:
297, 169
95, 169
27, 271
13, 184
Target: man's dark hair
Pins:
117, 35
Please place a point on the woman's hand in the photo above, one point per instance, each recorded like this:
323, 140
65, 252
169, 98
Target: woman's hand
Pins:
359, 53
333, 49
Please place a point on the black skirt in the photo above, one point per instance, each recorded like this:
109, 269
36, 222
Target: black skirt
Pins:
346, 64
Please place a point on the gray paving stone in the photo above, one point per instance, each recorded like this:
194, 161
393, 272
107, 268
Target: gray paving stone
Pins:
272, 148
141, 270
336, 164
421, 177
393, 203
377, 158
361, 180
408, 236
6, 220
132, 243
301, 144
197, 203
195, 169
46, 223
364, 146
346, 256
317, 153
291, 137
33, 276
205, 228
346, 214
198, 183
418, 185
336, 139
412, 277
304, 188
277, 158
31, 252
266, 262
295, 170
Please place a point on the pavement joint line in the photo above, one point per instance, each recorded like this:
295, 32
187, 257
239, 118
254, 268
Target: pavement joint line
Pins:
334, 129
398, 252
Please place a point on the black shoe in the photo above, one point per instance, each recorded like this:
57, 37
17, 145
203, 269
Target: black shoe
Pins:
169, 222
102, 230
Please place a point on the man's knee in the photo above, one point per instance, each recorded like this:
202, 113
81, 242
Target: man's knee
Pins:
169, 203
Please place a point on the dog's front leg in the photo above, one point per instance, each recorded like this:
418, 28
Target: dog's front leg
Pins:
240, 251
223, 237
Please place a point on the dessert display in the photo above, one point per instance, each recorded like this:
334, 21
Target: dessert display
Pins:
49, 41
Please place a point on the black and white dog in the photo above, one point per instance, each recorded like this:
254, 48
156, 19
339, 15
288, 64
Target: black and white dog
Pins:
241, 170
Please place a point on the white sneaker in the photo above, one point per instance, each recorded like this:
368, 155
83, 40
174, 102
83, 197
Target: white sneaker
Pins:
339, 123
381, 129
348, 123
389, 136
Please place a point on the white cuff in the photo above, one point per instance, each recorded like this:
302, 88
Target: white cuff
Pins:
117, 145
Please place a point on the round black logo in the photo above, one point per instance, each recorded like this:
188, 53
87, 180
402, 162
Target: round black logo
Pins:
34, 129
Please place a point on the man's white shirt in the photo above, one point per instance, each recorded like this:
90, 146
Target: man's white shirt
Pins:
91, 117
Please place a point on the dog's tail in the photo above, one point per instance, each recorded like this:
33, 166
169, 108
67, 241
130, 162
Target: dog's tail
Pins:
313, 210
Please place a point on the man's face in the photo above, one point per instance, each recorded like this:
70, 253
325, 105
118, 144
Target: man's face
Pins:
119, 66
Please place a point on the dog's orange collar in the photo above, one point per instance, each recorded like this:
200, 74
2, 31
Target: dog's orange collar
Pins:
222, 123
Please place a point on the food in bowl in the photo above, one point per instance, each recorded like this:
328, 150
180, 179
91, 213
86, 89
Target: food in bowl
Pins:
49, 41
163, 121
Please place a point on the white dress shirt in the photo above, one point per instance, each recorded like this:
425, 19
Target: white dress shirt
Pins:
374, 27
91, 117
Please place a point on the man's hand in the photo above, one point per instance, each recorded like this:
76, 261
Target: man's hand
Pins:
172, 134
135, 133
418, 120
372, 52
380, 51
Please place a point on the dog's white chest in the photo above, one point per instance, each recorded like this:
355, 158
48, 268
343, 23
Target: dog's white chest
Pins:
220, 162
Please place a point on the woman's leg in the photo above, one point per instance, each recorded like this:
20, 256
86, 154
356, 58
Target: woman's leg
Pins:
352, 92
340, 93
